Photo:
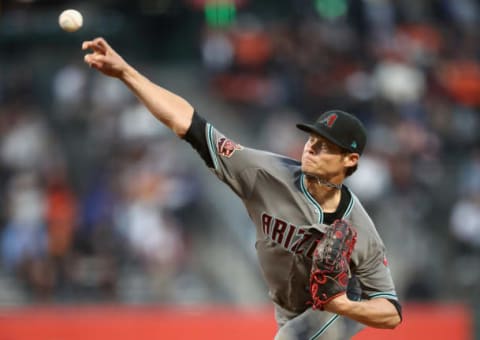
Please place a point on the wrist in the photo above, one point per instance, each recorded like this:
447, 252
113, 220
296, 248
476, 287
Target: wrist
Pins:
339, 305
128, 74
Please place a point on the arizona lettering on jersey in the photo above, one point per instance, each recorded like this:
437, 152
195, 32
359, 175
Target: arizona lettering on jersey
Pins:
295, 239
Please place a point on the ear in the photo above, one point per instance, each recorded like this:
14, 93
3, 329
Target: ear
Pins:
351, 159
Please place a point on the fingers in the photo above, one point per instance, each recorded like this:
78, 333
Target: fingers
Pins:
98, 45
94, 60
102, 43
102, 57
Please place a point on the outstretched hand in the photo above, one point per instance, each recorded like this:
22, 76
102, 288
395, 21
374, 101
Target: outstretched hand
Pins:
104, 58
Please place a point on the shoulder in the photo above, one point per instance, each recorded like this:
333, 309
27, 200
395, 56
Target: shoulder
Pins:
273, 168
358, 212
271, 161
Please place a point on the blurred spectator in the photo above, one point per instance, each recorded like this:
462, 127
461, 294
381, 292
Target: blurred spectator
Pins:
371, 188
24, 238
61, 220
465, 224
152, 236
70, 90
398, 82
461, 79
217, 50
465, 215
97, 251
469, 179
27, 144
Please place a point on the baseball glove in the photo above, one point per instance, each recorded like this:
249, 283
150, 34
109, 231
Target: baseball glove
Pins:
330, 268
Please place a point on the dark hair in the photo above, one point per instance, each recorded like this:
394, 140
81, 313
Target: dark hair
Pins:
350, 170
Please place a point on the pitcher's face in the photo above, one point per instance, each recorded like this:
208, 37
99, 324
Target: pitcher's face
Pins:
323, 158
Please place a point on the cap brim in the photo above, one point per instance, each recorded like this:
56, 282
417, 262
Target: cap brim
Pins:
307, 127
312, 129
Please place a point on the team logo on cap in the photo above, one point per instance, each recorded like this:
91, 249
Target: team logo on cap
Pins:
329, 120
226, 147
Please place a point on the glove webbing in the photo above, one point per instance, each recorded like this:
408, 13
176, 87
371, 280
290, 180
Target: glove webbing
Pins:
330, 279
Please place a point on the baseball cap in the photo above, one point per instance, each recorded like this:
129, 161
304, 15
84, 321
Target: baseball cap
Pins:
341, 128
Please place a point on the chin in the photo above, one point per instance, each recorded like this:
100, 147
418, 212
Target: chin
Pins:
305, 169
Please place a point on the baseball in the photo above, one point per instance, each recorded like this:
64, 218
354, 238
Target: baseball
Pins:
70, 20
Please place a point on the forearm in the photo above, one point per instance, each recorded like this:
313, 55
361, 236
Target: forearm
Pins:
172, 110
378, 313
169, 108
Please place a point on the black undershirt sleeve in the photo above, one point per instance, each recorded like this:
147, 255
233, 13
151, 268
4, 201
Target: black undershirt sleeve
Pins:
398, 307
196, 136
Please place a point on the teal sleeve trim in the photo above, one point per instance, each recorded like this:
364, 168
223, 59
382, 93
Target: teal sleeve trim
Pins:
211, 145
350, 205
385, 295
392, 298
309, 197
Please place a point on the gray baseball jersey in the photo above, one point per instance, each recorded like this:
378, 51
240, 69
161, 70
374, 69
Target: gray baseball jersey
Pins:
288, 222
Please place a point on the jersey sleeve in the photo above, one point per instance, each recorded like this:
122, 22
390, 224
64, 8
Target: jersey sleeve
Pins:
370, 260
375, 277
236, 165
232, 163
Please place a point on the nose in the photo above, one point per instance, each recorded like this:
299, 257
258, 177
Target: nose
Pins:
310, 149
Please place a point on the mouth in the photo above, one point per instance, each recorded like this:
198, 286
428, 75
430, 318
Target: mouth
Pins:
308, 158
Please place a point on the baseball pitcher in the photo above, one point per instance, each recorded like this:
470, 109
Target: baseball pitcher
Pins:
319, 251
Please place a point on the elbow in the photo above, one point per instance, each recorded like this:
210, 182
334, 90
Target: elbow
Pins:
393, 322
392, 325
182, 124
181, 128
180, 132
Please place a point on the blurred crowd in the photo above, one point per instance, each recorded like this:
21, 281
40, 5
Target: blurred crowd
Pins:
82, 199
96, 195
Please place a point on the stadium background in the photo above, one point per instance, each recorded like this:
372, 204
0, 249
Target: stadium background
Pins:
108, 221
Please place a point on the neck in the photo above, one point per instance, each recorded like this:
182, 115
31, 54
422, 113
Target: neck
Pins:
326, 193
328, 184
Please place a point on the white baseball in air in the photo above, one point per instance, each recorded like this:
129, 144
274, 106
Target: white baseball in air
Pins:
70, 20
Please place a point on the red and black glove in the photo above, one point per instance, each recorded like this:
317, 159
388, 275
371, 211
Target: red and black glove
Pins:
330, 268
